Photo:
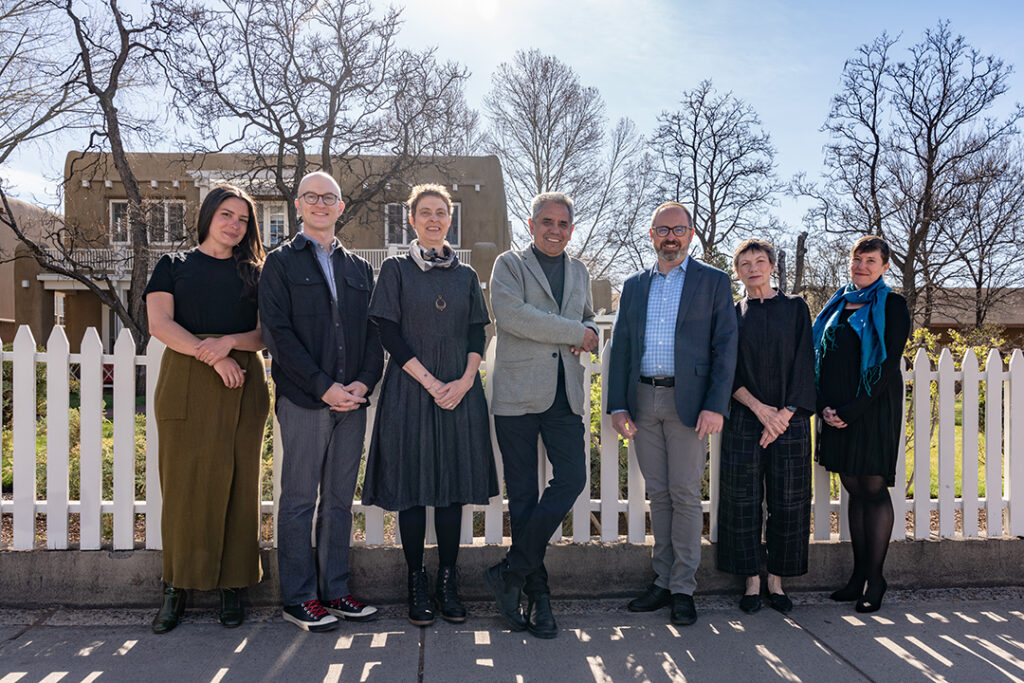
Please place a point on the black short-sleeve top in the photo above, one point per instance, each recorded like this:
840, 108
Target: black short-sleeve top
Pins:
207, 293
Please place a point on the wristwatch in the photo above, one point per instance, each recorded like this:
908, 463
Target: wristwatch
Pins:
791, 409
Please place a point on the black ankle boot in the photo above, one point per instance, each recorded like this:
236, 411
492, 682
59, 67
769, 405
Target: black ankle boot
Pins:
171, 609
231, 612
446, 596
420, 612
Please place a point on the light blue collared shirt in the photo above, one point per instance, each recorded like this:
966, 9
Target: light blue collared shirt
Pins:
323, 257
658, 356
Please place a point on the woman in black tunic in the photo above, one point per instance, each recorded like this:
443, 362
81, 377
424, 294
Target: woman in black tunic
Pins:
766, 444
211, 407
431, 438
859, 338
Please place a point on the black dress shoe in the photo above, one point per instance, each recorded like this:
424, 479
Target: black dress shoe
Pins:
171, 609
653, 598
231, 613
780, 602
853, 589
684, 612
750, 603
506, 595
540, 620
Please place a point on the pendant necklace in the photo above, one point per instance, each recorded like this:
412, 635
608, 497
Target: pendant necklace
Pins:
440, 304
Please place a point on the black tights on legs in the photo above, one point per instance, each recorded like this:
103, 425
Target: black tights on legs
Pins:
871, 520
412, 523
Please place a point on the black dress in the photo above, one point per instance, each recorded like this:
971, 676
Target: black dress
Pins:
421, 454
869, 444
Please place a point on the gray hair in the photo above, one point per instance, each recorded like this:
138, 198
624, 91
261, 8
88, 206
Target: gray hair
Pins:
753, 244
537, 205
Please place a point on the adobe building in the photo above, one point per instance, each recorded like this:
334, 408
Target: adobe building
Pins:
173, 185
17, 283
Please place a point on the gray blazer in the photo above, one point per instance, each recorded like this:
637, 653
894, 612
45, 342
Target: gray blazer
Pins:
533, 333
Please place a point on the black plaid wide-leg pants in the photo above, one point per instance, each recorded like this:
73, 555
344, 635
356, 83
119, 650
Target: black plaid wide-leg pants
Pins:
779, 475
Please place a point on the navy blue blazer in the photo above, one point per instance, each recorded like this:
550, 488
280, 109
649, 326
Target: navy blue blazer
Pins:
705, 343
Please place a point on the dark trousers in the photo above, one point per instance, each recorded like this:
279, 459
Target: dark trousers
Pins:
534, 518
779, 475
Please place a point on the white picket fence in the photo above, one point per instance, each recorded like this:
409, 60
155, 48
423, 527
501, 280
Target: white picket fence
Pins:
1002, 455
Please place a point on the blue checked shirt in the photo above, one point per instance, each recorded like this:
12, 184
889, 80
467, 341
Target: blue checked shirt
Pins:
658, 358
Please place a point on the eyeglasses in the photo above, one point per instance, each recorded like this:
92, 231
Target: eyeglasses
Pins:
678, 231
311, 198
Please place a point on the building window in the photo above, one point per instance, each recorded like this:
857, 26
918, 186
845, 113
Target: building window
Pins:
58, 308
273, 218
398, 230
165, 220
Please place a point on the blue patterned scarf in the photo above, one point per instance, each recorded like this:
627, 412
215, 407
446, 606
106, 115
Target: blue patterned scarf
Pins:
868, 322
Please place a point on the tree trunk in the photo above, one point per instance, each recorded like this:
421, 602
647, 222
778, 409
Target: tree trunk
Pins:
801, 254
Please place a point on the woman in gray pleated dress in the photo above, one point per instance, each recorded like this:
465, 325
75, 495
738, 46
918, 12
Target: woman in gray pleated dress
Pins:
431, 439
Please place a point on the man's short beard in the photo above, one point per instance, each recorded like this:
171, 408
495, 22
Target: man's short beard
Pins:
678, 255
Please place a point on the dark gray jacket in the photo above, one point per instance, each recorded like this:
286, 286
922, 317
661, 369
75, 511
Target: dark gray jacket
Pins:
313, 342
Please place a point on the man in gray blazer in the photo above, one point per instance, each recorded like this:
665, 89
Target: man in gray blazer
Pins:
669, 382
544, 318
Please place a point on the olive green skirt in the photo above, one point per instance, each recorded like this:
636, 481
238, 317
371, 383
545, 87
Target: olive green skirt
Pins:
210, 443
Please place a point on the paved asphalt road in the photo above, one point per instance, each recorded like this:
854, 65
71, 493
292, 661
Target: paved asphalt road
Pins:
950, 635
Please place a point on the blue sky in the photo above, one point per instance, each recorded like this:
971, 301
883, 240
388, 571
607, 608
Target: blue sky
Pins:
784, 58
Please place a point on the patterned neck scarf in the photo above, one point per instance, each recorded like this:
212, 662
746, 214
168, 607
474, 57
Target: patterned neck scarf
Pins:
868, 322
429, 258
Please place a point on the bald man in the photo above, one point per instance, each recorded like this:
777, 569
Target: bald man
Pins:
327, 358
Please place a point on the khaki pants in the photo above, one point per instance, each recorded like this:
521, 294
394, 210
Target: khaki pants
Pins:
672, 460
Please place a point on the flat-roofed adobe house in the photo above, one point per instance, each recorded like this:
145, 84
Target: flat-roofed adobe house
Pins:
955, 308
37, 224
173, 185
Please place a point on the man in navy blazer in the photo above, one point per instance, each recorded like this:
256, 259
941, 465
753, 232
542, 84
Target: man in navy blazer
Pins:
670, 377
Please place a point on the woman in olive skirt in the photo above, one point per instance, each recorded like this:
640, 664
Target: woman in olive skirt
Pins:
431, 438
211, 407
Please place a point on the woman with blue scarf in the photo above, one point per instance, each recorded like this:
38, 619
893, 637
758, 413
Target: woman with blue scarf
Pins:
858, 341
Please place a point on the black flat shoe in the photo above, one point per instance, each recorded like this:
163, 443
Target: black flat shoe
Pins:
750, 603
653, 598
780, 602
231, 612
171, 609
872, 598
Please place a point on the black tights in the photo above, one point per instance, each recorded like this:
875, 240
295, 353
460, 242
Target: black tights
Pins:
871, 520
412, 523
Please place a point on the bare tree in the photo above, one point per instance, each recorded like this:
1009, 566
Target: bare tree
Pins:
37, 89
104, 58
713, 155
903, 134
985, 233
303, 85
549, 131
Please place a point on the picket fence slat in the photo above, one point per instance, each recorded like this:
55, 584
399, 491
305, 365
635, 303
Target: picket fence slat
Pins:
994, 444
970, 455
494, 515
581, 508
58, 437
124, 441
90, 413
24, 465
1015, 452
922, 444
947, 445
1002, 453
